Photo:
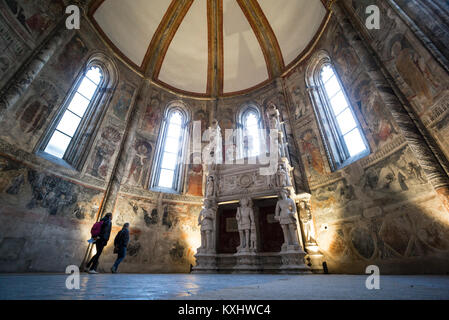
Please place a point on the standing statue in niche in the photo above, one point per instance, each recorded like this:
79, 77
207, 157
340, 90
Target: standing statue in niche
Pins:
282, 177
275, 124
307, 223
210, 187
286, 215
245, 220
214, 143
206, 221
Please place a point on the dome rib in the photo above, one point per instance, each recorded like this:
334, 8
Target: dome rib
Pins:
258, 45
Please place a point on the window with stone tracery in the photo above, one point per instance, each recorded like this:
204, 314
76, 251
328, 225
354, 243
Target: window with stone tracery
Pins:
70, 121
71, 131
343, 136
249, 137
168, 171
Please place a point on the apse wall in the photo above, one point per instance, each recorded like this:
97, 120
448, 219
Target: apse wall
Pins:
381, 210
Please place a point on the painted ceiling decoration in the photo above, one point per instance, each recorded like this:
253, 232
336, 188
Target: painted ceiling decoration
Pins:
210, 47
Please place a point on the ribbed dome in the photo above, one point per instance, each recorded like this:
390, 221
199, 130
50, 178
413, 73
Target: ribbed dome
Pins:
209, 47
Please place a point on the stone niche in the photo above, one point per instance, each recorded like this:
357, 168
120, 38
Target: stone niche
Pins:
254, 222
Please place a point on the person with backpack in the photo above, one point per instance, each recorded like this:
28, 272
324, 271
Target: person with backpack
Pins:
101, 231
120, 243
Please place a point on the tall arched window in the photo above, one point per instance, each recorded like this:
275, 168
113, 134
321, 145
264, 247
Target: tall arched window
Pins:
250, 138
343, 136
73, 115
69, 134
167, 174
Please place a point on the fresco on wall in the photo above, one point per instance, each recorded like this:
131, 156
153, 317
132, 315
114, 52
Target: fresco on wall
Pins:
371, 106
122, 100
203, 117
37, 108
141, 163
33, 190
35, 17
105, 149
299, 101
226, 119
152, 117
311, 154
345, 59
70, 60
168, 234
392, 179
195, 177
414, 71
417, 74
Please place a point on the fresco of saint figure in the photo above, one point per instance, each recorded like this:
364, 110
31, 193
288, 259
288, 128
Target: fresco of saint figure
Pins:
413, 70
140, 164
309, 146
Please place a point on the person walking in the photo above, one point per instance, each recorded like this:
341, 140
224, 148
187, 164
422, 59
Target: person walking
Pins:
120, 243
101, 242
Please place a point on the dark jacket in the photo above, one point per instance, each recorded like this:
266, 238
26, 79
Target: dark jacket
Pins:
105, 231
121, 239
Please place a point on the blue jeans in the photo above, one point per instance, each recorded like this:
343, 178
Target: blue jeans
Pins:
120, 257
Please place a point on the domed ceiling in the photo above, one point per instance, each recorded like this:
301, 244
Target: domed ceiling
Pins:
210, 47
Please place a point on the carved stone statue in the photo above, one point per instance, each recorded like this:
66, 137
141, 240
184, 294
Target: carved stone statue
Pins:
210, 187
282, 177
307, 223
275, 124
286, 215
253, 237
206, 221
273, 117
245, 220
215, 142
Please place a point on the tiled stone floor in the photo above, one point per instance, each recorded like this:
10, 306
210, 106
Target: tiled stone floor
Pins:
232, 287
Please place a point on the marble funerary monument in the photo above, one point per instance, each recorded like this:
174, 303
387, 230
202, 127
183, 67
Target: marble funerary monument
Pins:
253, 222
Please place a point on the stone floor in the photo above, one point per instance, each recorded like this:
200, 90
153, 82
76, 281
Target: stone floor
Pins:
228, 287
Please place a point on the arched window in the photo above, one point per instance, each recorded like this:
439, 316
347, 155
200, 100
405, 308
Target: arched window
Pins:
249, 136
343, 136
73, 115
77, 120
167, 174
